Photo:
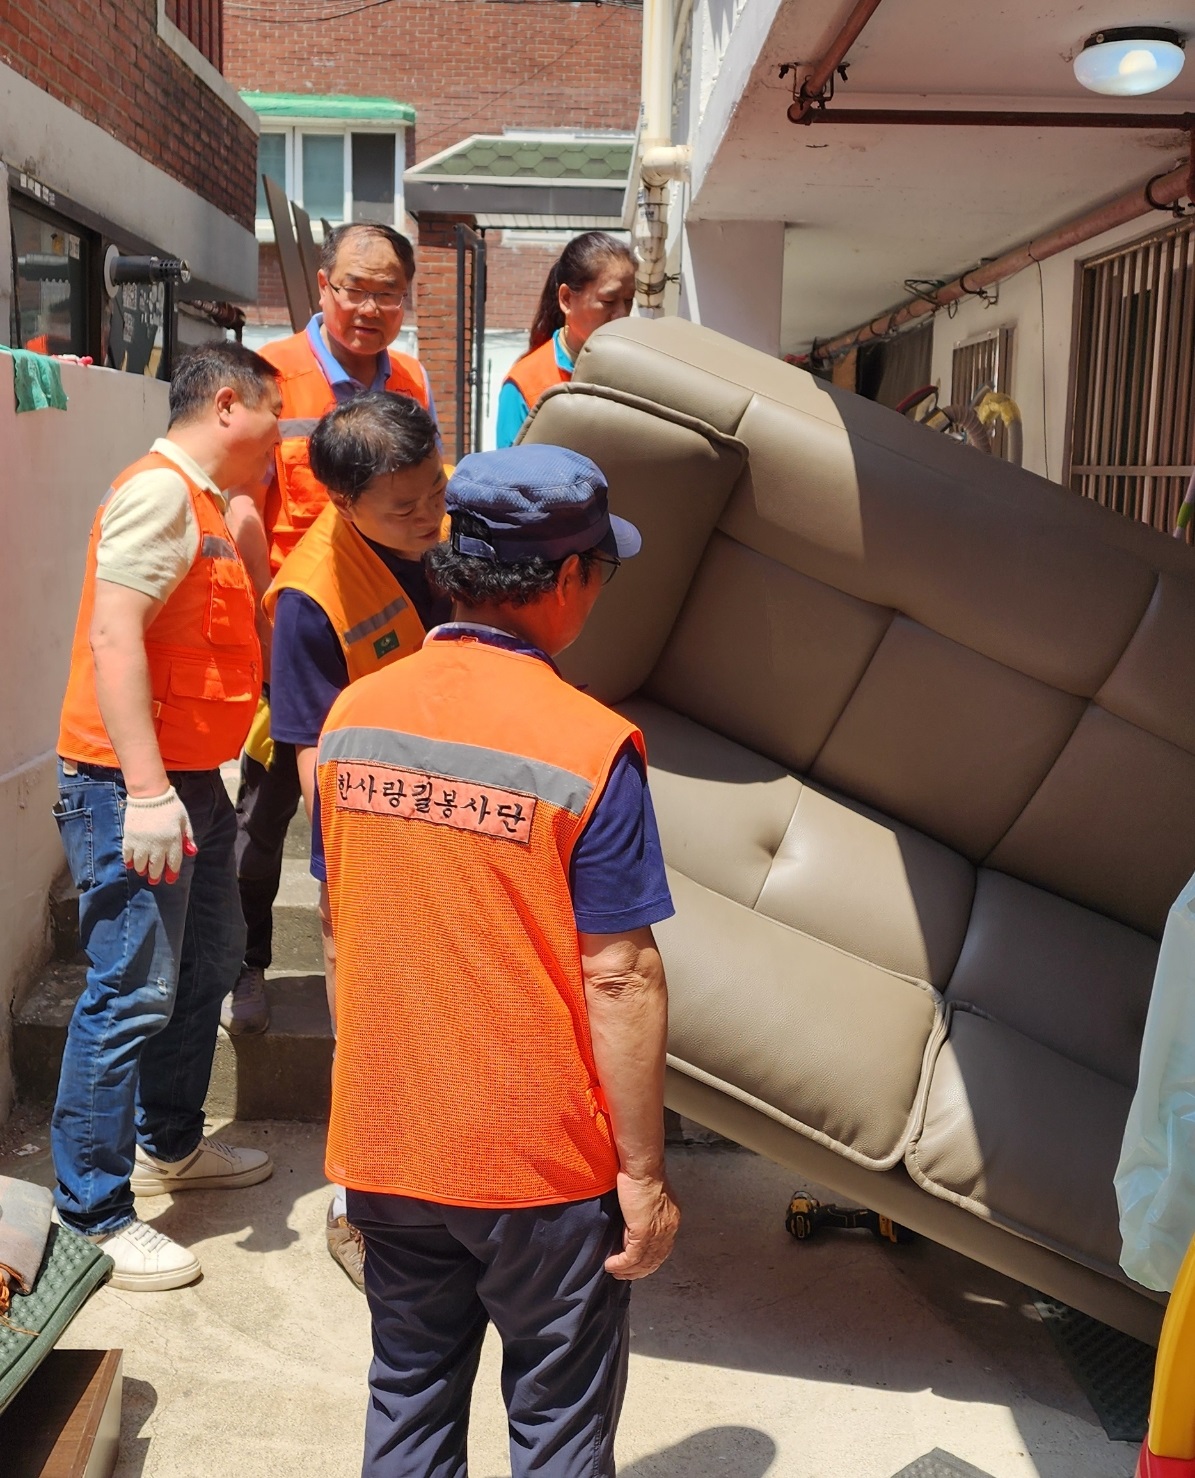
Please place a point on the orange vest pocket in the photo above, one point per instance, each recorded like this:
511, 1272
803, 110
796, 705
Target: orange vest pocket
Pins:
215, 702
231, 607
303, 497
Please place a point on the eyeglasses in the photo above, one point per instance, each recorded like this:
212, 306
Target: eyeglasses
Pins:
356, 297
612, 563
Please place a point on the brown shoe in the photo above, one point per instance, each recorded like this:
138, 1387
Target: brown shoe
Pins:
347, 1246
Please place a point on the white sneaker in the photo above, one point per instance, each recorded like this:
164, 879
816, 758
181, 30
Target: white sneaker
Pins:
147, 1261
213, 1166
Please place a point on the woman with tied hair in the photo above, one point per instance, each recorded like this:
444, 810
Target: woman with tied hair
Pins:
591, 283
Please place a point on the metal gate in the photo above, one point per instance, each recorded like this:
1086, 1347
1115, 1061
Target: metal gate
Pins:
1133, 422
470, 338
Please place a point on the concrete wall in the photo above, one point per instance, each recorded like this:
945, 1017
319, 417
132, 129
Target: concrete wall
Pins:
56, 468
1041, 312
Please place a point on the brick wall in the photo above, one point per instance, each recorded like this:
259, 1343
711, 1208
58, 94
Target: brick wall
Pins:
271, 295
516, 279
104, 59
466, 66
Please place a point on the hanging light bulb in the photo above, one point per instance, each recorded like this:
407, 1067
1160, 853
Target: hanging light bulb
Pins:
1129, 61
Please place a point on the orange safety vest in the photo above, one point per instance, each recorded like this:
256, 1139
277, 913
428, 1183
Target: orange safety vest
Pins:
204, 657
295, 499
537, 372
453, 788
370, 612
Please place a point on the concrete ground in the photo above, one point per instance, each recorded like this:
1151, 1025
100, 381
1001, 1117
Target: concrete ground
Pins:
752, 1355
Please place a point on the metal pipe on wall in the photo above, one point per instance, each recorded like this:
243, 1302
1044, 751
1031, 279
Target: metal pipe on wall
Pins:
660, 161
814, 85
994, 118
1158, 194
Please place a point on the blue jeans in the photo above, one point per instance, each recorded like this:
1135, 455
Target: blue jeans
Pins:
140, 1043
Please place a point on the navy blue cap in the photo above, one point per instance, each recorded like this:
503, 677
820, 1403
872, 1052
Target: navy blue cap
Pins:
536, 500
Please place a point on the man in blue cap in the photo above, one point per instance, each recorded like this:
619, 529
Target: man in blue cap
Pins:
493, 869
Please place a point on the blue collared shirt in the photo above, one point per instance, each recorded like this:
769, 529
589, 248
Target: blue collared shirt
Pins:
341, 383
512, 408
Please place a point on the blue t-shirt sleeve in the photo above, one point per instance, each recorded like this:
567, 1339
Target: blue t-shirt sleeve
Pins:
512, 412
307, 670
617, 876
319, 865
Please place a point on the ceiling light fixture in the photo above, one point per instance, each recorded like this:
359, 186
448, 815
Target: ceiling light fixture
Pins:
1127, 61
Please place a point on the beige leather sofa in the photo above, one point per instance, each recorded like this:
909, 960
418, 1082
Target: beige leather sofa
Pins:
922, 740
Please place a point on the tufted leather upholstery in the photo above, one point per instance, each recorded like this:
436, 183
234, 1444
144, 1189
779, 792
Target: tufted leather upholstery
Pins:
922, 740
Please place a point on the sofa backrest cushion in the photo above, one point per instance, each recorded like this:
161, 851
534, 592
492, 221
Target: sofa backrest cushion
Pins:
960, 644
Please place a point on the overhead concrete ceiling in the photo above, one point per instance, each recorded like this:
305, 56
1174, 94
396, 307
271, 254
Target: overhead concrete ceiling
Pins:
867, 207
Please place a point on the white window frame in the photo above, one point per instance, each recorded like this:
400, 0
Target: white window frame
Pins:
293, 131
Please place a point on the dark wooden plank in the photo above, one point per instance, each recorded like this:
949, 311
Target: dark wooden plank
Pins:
51, 1428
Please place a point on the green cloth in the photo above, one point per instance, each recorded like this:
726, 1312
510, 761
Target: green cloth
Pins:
70, 1272
38, 381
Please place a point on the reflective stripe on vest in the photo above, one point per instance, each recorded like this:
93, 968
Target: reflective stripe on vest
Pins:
464, 1070
537, 372
204, 658
372, 615
295, 498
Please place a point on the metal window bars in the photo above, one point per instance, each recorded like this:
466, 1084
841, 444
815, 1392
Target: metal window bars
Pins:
1132, 444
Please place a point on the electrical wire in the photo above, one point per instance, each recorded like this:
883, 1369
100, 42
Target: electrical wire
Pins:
249, 12
1045, 428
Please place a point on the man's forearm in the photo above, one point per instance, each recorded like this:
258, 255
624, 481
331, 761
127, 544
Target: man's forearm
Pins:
125, 701
628, 1024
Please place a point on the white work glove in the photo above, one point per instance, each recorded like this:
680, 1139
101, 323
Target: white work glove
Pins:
157, 832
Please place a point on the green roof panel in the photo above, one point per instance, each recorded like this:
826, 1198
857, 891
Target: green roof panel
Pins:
502, 158
338, 106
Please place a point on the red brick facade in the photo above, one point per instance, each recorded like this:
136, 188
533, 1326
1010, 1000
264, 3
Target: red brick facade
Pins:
466, 66
103, 58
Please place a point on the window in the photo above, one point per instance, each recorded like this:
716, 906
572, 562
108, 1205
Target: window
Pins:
271, 160
1133, 418
373, 177
51, 272
334, 174
984, 364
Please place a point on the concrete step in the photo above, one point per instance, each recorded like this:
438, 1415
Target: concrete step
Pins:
284, 1073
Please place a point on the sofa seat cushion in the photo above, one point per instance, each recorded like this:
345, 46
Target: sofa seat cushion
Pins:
1023, 1137
822, 1041
834, 869
1073, 980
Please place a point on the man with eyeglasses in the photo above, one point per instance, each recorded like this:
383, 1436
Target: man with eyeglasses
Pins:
366, 272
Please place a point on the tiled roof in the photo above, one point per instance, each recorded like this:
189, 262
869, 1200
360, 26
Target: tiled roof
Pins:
498, 157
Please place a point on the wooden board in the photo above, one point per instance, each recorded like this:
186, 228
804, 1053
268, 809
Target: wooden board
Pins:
65, 1421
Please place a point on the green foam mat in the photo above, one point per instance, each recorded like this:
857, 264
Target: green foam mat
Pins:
939, 1464
1115, 1370
72, 1268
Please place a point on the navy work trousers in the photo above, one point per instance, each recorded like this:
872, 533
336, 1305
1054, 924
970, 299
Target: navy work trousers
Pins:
436, 1275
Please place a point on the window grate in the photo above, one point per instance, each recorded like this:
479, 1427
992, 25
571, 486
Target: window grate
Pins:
984, 364
1133, 419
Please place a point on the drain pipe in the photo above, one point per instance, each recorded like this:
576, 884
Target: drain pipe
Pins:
660, 160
